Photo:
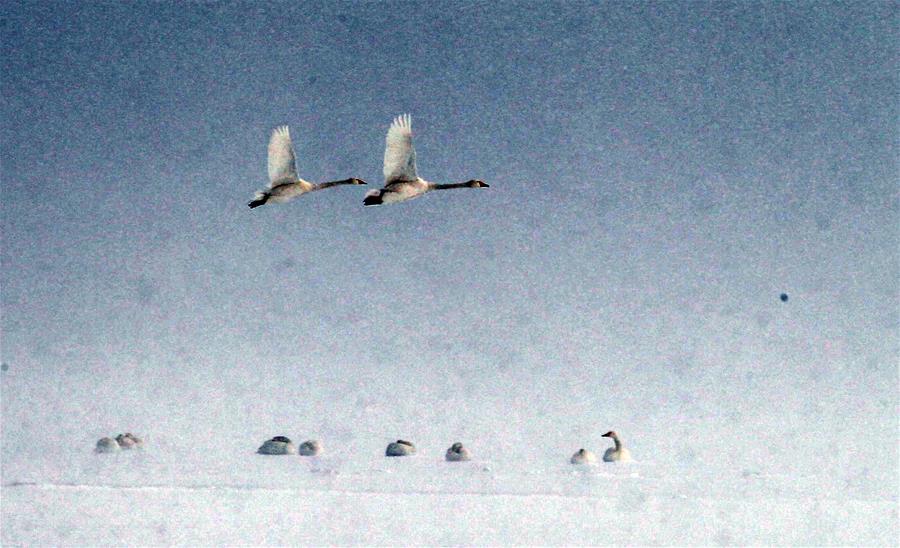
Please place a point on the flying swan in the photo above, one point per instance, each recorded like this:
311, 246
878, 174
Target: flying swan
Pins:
284, 183
401, 182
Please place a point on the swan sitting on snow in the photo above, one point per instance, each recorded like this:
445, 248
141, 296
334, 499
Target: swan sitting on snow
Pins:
583, 456
400, 448
279, 445
284, 183
129, 441
107, 445
458, 453
310, 448
619, 453
401, 181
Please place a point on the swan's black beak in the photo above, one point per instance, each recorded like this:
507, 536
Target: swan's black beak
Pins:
358, 181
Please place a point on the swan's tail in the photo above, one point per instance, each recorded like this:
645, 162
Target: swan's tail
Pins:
259, 199
373, 197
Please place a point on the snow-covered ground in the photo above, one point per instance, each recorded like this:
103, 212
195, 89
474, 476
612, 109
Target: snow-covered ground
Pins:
207, 486
141, 498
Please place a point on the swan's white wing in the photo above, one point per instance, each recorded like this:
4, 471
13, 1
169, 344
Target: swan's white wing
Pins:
282, 163
399, 154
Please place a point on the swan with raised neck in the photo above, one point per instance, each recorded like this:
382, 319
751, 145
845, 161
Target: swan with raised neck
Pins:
619, 453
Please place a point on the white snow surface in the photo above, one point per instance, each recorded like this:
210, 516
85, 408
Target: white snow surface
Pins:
206, 486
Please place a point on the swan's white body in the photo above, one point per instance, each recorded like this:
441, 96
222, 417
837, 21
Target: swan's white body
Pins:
129, 441
618, 453
401, 179
107, 445
400, 448
458, 453
583, 456
310, 448
284, 183
277, 446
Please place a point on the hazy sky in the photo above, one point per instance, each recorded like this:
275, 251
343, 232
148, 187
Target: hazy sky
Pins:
660, 172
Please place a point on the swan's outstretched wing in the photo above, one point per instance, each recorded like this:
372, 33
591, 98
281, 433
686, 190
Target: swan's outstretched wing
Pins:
399, 154
282, 163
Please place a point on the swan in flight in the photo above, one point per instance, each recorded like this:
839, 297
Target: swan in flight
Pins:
401, 182
284, 183
619, 453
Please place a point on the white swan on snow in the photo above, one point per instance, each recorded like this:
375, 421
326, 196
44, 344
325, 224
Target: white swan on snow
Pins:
279, 445
310, 448
106, 445
129, 441
400, 448
583, 456
458, 453
401, 181
619, 453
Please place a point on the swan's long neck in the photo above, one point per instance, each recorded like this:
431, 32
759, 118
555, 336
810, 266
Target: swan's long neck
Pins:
320, 186
617, 442
435, 186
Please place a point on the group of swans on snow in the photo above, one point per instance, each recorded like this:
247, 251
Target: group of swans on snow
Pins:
618, 453
122, 441
401, 180
282, 445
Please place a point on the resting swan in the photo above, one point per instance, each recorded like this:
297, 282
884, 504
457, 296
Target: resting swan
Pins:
310, 448
583, 456
107, 445
400, 448
401, 182
279, 445
618, 453
284, 183
129, 441
458, 453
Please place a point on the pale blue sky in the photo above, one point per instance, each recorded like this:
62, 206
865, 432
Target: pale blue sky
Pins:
130, 129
